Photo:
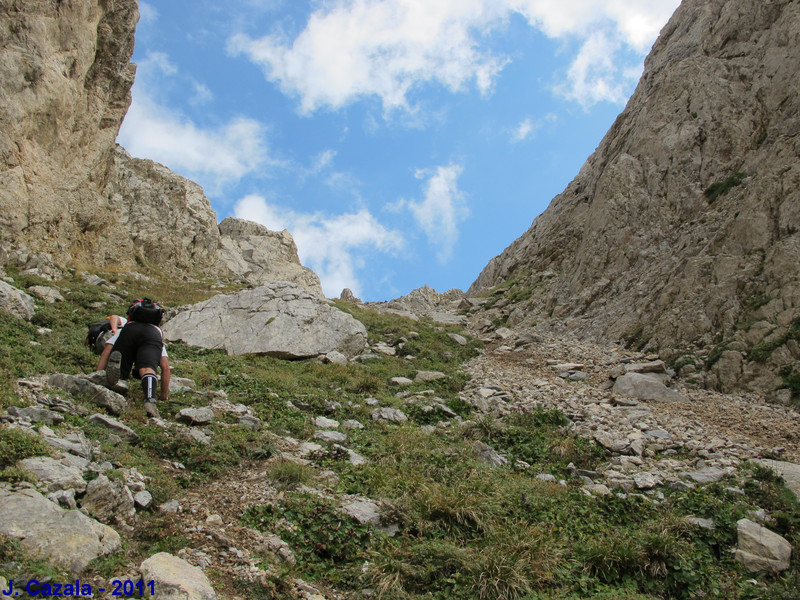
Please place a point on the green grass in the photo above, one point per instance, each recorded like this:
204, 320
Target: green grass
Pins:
720, 188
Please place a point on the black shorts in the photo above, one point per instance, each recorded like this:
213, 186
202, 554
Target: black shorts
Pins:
140, 344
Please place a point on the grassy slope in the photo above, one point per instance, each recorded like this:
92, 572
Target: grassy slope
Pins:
467, 530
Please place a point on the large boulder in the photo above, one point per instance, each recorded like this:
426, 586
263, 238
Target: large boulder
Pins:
279, 319
260, 256
66, 538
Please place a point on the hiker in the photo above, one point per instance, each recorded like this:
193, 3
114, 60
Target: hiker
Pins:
139, 344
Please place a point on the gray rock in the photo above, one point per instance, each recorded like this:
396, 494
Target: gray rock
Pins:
36, 414
16, 302
403, 381
44, 292
393, 415
261, 256
274, 545
96, 394
335, 357
708, 475
789, 471
354, 458
79, 448
109, 501
366, 513
116, 427
143, 499
644, 387
64, 498
352, 424
429, 376
487, 455
251, 422
702, 523
67, 538
458, 339
54, 474
760, 549
176, 579
279, 319
330, 437
657, 366
646, 481
196, 416
325, 423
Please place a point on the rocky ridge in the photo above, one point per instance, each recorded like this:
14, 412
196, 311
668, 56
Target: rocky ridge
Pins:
681, 233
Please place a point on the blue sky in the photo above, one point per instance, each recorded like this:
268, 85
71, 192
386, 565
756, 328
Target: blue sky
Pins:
402, 142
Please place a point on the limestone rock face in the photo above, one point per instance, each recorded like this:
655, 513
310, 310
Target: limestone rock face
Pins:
682, 230
279, 320
65, 80
259, 256
162, 219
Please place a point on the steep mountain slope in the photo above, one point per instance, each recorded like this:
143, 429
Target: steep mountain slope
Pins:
680, 233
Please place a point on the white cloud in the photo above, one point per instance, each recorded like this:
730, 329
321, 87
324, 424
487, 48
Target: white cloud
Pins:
442, 210
594, 75
361, 48
355, 49
224, 154
334, 246
147, 12
158, 61
524, 130
214, 156
202, 95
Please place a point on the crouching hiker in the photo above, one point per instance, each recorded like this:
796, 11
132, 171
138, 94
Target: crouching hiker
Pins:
139, 345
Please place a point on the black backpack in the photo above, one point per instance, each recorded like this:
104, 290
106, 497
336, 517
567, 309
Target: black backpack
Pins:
145, 310
97, 335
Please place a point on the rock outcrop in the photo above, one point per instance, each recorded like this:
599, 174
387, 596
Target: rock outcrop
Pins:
163, 219
279, 319
65, 81
423, 302
259, 256
681, 233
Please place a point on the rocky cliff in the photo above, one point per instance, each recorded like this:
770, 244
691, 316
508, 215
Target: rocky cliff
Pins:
69, 195
65, 81
681, 233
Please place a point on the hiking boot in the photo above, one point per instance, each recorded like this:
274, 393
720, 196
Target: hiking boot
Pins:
151, 410
112, 368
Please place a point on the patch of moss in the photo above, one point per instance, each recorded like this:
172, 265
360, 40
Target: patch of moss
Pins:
720, 188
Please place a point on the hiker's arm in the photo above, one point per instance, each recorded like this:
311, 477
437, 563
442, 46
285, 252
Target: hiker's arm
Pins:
165, 373
114, 320
101, 364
